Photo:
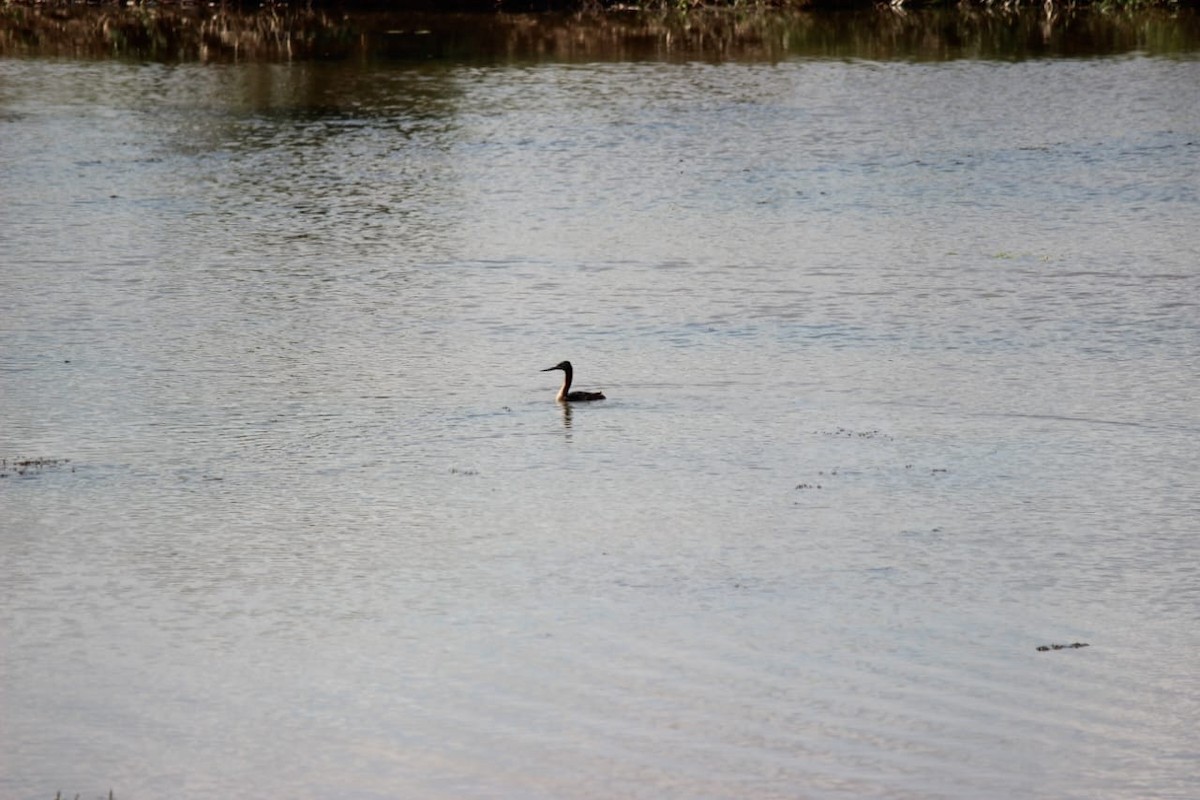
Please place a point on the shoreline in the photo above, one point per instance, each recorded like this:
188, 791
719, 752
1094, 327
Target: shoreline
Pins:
193, 33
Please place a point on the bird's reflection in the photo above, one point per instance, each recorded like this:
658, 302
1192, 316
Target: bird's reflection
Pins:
566, 409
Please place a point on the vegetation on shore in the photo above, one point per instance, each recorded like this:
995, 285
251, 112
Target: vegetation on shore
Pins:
594, 6
186, 30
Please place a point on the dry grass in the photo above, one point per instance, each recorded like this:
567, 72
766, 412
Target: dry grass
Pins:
746, 31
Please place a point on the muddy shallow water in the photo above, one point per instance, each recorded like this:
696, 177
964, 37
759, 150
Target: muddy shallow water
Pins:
902, 380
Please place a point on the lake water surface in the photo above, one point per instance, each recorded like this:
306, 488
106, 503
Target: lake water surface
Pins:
902, 362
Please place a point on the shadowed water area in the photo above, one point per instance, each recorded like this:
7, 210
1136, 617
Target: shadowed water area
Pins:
900, 345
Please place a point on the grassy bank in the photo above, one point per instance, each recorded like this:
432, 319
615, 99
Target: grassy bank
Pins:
172, 32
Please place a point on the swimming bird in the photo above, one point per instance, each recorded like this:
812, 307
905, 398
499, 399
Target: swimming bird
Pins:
565, 395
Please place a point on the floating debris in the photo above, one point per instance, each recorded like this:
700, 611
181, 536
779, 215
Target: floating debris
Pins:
847, 432
1072, 646
461, 471
23, 466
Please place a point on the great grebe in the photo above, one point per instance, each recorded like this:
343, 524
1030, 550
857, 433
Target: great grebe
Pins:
565, 395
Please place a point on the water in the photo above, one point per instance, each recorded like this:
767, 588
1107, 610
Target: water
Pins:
902, 368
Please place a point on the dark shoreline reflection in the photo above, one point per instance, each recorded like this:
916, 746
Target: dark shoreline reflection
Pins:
173, 34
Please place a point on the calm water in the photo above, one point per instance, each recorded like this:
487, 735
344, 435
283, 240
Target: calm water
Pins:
903, 372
